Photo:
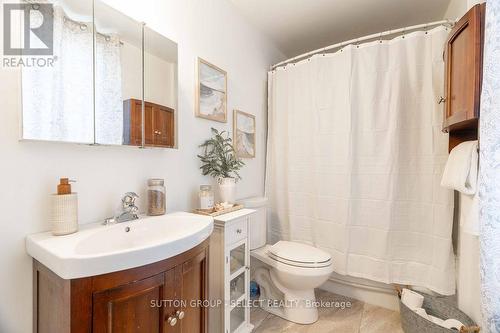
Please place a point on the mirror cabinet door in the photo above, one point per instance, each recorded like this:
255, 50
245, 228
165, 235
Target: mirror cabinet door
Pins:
118, 77
57, 100
160, 90
104, 63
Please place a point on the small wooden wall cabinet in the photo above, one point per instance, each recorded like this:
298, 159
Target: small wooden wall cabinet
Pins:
464, 65
159, 127
165, 297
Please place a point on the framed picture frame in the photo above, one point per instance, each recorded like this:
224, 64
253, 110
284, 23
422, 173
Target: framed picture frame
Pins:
244, 133
211, 92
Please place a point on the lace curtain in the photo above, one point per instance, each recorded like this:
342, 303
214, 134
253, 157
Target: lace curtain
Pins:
489, 174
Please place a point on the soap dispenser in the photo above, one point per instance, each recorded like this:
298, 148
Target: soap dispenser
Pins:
64, 209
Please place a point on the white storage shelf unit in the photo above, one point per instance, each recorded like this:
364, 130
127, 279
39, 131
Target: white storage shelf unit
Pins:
229, 269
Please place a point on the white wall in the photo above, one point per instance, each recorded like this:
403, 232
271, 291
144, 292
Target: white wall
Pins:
29, 171
131, 64
457, 8
469, 280
159, 76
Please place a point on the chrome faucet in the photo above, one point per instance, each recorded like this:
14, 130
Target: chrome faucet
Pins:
129, 210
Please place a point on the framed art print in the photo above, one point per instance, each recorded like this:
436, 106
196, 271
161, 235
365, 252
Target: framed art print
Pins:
244, 132
211, 92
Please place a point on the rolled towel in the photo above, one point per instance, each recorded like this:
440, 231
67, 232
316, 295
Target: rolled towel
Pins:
412, 299
422, 313
460, 172
436, 320
452, 323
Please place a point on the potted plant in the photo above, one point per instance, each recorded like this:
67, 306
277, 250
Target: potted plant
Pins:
219, 160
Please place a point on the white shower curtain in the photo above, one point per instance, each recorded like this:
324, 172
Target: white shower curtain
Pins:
355, 157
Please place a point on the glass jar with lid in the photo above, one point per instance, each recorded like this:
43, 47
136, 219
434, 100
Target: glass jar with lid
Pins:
157, 199
206, 196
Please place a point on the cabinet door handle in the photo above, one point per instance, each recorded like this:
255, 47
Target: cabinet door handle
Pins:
180, 314
238, 231
172, 321
442, 100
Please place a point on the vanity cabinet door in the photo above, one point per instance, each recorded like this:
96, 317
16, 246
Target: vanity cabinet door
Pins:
463, 61
192, 286
131, 308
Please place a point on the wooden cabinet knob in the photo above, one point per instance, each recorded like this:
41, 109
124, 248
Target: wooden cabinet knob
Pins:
172, 321
180, 314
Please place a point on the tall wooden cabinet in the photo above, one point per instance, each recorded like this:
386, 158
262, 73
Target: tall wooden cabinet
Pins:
163, 297
463, 62
159, 124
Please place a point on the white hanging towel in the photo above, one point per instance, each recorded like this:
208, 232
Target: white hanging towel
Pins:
469, 213
460, 172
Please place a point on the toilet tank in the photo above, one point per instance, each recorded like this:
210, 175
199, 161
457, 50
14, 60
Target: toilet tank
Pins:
258, 221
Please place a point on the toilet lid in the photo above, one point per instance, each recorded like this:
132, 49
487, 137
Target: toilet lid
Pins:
299, 254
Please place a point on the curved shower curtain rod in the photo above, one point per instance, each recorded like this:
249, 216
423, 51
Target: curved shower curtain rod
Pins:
446, 23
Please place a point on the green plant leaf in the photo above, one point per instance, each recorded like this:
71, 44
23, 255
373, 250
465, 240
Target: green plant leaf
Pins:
219, 158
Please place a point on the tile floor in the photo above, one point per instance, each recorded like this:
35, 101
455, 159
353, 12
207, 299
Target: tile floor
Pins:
359, 318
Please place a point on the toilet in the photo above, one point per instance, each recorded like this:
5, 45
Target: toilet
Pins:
290, 270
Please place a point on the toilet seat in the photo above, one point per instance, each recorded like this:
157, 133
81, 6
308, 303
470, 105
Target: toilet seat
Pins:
299, 255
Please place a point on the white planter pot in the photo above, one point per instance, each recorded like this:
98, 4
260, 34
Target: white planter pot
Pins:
227, 190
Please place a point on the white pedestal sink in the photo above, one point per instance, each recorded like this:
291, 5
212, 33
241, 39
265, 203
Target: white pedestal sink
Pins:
98, 249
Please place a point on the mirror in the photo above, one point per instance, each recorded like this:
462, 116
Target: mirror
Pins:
118, 78
160, 90
94, 92
57, 100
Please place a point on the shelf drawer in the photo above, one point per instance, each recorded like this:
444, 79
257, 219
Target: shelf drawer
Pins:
236, 231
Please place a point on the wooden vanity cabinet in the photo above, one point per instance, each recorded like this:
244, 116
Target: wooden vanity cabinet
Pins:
463, 64
159, 127
145, 299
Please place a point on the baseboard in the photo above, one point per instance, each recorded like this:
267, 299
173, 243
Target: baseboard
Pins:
371, 292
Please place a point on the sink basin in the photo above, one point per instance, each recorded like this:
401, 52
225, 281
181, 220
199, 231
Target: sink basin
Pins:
98, 249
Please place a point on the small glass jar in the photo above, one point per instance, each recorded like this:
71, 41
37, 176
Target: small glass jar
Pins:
157, 199
206, 196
